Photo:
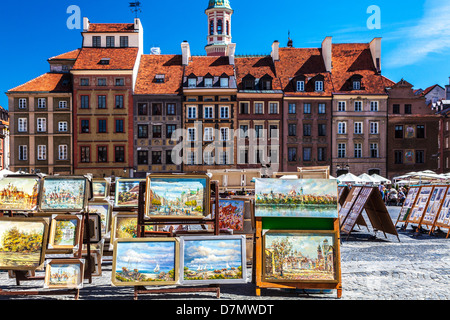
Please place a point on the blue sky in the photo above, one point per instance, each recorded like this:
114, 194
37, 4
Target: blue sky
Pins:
416, 33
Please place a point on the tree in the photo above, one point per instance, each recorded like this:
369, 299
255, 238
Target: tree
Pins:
282, 249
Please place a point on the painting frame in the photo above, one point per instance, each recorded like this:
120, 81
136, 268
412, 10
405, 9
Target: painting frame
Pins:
117, 202
141, 241
106, 222
106, 192
43, 243
305, 233
79, 277
180, 177
75, 209
34, 195
184, 240
115, 223
53, 230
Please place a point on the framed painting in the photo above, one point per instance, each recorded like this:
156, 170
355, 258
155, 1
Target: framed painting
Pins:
64, 274
104, 210
95, 234
22, 243
177, 196
65, 231
231, 214
213, 260
300, 256
64, 194
100, 188
124, 226
19, 193
307, 198
127, 193
145, 262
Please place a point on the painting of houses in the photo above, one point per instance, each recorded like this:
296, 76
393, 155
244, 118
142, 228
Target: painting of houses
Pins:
63, 194
19, 193
127, 193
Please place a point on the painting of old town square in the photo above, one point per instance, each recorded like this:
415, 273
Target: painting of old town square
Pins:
299, 256
296, 198
177, 197
22, 243
145, 262
64, 274
63, 194
19, 193
213, 259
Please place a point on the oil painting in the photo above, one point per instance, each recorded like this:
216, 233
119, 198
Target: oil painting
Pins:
177, 196
100, 188
62, 194
103, 209
22, 243
19, 193
145, 261
212, 260
127, 193
65, 232
313, 198
299, 256
64, 274
231, 214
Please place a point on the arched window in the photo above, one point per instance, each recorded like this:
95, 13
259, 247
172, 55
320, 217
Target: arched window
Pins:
219, 26
211, 27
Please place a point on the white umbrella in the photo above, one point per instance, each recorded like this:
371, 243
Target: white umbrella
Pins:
5, 172
367, 178
380, 179
349, 178
289, 177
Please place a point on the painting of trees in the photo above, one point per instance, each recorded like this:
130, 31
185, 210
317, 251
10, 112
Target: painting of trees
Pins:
21, 242
281, 248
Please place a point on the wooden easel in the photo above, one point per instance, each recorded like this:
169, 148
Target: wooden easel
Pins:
443, 217
434, 207
420, 207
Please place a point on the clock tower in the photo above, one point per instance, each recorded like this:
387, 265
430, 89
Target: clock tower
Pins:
219, 27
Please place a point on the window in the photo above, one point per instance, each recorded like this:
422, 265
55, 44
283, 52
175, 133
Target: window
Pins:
157, 132
124, 41
191, 158
322, 108
22, 103
63, 153
192, 82
259, 108
322, 129
42, 152
342, 106
319, 85
209, 134
358, 105
243, 131
266, 84
374, 128
85, 153
23, 153
120, 126
249, 84
321, 154
119, 154
157, 109
259, 131
169, 159
219, 26
356, 85
292, 154
170, 129
104, 61
142, 109
102, 125
224, 112
224, 82
84, 102
85, 126
224, 157
102, 154
306, 130
171, 109
63, 126
191, 134
211, 27
110, 42
358, 150
156, 157
307, 108
244, 108
62, 104
374, 106
399, 132
224, 134
208, 157
420, 156
398, 157
192, 112
142, 131
374, 150
96, 41
208, 82
101, 82
358, 128
300, 85
273, 131
292, 130
273, 108
42, 103
306, 154
22, 125
84, 82
408, 109
342, 150
291, 109
420, 132
396, 109
142, 157
120, 82
119, 102
342, 127
101, 102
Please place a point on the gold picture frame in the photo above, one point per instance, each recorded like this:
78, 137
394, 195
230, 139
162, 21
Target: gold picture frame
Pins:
65, 235
50, 201
64, 274
96, 191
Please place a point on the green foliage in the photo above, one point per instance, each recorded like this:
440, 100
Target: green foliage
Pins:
21, 242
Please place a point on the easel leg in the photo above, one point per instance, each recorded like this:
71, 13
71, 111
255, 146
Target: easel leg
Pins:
339, 293
258, 291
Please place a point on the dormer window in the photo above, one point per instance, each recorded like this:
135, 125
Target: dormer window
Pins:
192, 82
224, 82
356, 82
105, 61
300, 86
208, 82
159, 78
96, 41
319, 86
356, 85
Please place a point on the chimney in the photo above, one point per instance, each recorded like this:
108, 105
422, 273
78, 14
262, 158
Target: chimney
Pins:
85, 24
137, 24
375, 49
185, 52
327, 53
447, 90
275, 51
231, 50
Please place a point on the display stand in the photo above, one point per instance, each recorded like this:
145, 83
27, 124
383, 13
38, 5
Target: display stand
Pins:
343, 192
434, 207
347, 206
410, 200
443, 218
142, 233
420, 207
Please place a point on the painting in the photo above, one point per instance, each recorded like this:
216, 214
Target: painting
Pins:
231, 214
64, 274
312, 198
145, 261
64, 194
19, 193
124, 226
103, 209
22, 243
300, 256
177, 196
100, 188
409, 157
410, 131
94, 229
213, 260
127, 193
65, 232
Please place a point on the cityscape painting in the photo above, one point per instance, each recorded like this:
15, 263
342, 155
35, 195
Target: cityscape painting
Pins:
177, 197
291, 256
315, 198
64, 274
19, 193
63, 194
127, 193
65, 232
145, 261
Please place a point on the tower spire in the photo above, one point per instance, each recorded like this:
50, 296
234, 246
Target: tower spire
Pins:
219, 27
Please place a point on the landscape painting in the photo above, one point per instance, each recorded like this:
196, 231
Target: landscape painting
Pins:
64, 274
127, 193
65, 232
22, 243
177, 197
19, 193
231, 214
63, 194
104, 210
145, 261
213, 260
304, 256
100, 188
313, 198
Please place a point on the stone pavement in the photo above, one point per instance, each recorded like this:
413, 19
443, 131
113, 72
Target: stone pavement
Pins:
416, 268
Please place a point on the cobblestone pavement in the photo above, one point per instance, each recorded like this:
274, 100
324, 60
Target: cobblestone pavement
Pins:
414, 268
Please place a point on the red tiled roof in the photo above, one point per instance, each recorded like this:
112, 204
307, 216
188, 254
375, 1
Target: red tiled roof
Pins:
48, 82
72, 55
111, 27
257, 67
120, 59
216, 66
151, 65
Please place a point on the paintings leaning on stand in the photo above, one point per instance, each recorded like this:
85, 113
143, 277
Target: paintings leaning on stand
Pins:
64, 194
19, 193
